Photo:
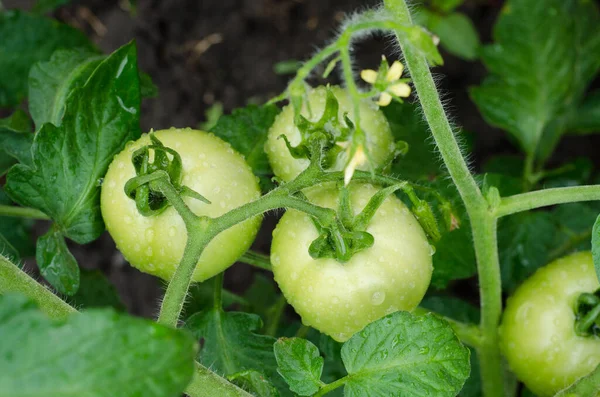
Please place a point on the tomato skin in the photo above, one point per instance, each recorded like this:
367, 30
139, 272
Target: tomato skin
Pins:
537, 331
340, 299
155, 244
380, 141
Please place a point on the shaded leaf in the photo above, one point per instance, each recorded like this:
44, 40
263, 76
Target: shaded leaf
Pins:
16, 241
27, 39
539, 71
246, 129
586, 118
456, 32
95, 290
45, 6
56, 263
255, 383
97, 353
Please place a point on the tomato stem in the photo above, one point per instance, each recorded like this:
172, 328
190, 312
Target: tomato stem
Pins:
331, 386
543, 198
22, 212
256, 259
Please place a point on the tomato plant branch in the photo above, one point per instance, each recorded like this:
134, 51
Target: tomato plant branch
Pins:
331, 386
256, 259
543, 198
22, 212
483, 222
13, 279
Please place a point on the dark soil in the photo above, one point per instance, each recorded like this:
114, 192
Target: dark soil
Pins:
199, 52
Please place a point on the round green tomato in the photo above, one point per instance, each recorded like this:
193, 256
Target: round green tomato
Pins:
380, 142
537, 331
340, 299
155, 244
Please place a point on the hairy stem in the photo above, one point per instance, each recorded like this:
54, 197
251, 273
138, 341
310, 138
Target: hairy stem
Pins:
543, 198
22, 212
483, 222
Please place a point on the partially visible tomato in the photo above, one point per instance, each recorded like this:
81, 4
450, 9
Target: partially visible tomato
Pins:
155, 244
538, 326
380, 142
340, 299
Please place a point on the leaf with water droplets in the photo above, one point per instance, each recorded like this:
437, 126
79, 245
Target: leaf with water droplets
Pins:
405, 355
300, 364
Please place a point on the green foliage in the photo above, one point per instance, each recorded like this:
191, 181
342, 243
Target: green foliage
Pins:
418, 355
246, 130
45, 6
96, 353
586, 119
69, 160
596, 246
95, 290
38, 38
56, 263
15, 237
255, 383
455, 30
230, 344
539, 71
300, 364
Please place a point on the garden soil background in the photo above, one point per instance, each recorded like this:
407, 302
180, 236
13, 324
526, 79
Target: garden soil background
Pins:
200, 52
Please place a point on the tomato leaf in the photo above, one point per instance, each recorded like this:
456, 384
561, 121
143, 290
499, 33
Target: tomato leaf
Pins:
51, 82
45, 6
454, 257
69, 160
596, 246
95, 353
586, 386
417, 354
524, 242
231, 345
446, 5
456, 32
586, 119
255, 383
201, 297
15, 234
300, 364
27, 39
56, 263
246, 129
421, 42
95, 290
539, 71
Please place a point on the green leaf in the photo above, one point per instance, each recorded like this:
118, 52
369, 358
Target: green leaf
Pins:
68, 161
596, 246
456, 32
45, 6
231, 345
462, 311
15, 234
18, 121
147, 87
95, 290
300, 364
586, 118
27, 39
201, 297
16, 146
446, 5
419, 355
586, 386
454, 257
57, 265
524, 242
212, 116
421, 41
52, 81
246, 130
97, 353
407, 124
544, 56
255, 383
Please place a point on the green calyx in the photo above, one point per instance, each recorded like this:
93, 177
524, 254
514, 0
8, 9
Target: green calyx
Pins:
587, 314
155, 164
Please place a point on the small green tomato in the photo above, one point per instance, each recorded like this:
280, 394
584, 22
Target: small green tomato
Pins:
340, 299
380, 142
155, 244
538, 326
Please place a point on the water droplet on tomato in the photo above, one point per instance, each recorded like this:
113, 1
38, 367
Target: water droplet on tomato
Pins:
377, 298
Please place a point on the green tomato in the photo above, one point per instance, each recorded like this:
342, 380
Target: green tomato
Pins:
380, 142
155, 244
340, 299
537, 332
